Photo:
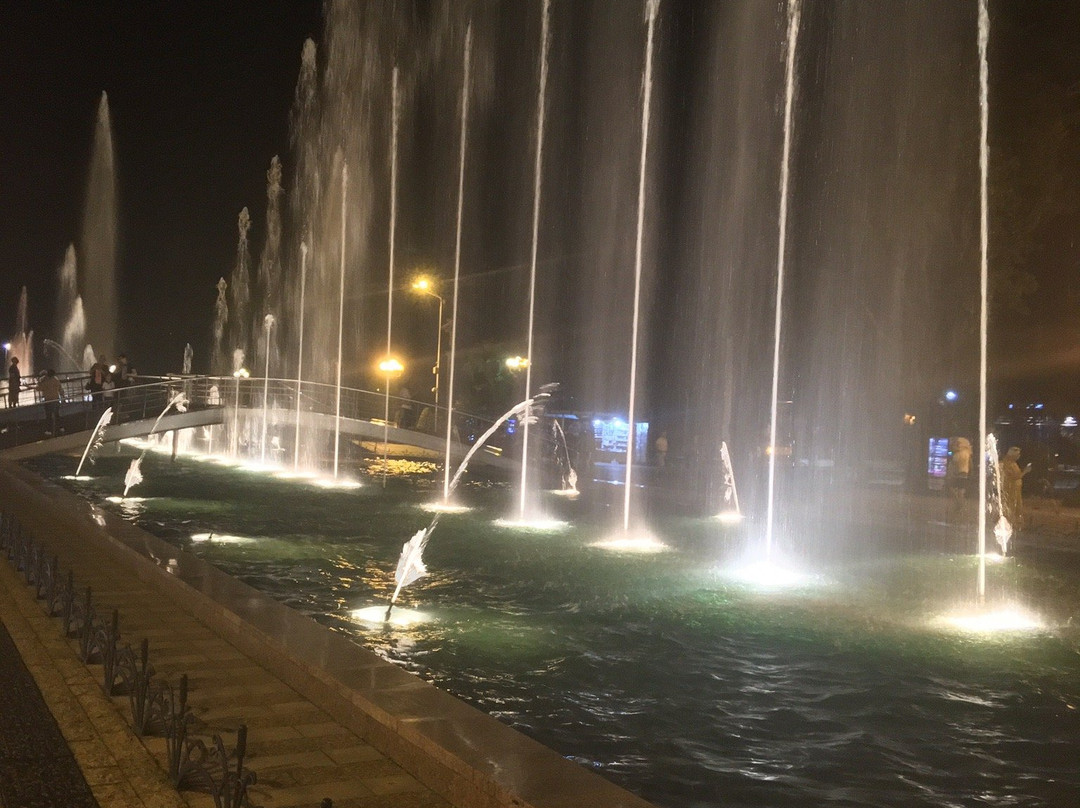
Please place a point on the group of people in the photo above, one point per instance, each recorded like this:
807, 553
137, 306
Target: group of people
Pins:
104, 380
1010, 474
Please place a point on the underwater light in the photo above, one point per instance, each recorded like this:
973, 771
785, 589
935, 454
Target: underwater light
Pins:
769, 575
444, 507
330, 482
80, 477
565, 493
221, 538
729, 517
633, 542
116, 500
539, 523
376, 615
986, 621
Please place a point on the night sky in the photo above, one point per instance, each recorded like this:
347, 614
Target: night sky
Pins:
200, 95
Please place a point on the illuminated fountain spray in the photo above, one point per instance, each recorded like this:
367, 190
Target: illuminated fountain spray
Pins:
70, 314
134, 473
562, 457
1003, 529
410, 565
60, 350
652, 7
984, 275
729, 511
22, 344
97, 248
537, 169
268, 324
794, 10
97, 438
457, 258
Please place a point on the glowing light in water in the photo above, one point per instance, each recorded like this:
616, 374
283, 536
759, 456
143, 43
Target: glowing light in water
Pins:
635, 541
538, 524
340, 483
770, 575
402, 617
222, 538
444, 507
729, 517
988, 621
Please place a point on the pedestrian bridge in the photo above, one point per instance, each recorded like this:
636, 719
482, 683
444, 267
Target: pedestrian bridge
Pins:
356, 416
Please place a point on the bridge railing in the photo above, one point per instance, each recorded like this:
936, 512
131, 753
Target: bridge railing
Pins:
149, 396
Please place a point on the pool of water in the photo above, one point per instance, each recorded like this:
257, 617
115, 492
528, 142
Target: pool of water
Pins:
661, 670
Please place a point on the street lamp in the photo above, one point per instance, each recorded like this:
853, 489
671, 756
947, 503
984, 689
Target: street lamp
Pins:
238, 374
426, 286
515, 363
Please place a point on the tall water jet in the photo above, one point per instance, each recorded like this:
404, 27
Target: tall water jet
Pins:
794, 9
22, 342
269, 286
341, 317
218, 358
300, 353
984, 275
268, 325
394, 114
538, 164
463, 142
652, 8
99, 239
70, 315
239, 330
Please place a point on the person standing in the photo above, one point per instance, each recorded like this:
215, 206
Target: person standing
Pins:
1012, 486
958, 471
51, 393
14, 382
99, 371
661, 447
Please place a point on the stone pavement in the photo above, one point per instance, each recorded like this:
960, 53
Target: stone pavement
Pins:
37, 768
300, 753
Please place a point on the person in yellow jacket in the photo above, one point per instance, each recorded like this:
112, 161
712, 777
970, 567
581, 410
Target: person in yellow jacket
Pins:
1012, 484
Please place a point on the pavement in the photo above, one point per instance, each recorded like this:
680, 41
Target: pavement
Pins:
64, 744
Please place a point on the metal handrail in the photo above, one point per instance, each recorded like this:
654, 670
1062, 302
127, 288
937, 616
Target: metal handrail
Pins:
148, 396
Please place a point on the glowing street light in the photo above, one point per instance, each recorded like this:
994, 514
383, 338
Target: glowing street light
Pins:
391, 366
426, 286
515, 363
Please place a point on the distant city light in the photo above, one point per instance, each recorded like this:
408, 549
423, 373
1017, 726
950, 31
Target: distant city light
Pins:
517, 362
1069, 421
950, 395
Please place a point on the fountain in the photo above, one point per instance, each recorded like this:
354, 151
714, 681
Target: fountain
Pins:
792, 318
70, 316
21, 343
97, 244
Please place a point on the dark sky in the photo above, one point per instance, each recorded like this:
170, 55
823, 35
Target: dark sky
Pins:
200, 94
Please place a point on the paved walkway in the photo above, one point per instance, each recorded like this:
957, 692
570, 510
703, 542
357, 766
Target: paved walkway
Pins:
299, 752
37, 768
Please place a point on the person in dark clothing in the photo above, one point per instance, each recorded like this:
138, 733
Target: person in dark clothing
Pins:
14, 382
51, 393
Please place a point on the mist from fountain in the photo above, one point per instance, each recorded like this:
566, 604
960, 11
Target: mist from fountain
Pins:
538, 165
70, 314
22, 342
98, 241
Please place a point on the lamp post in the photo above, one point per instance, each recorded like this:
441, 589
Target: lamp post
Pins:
238, 374
425, 286
390, 367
